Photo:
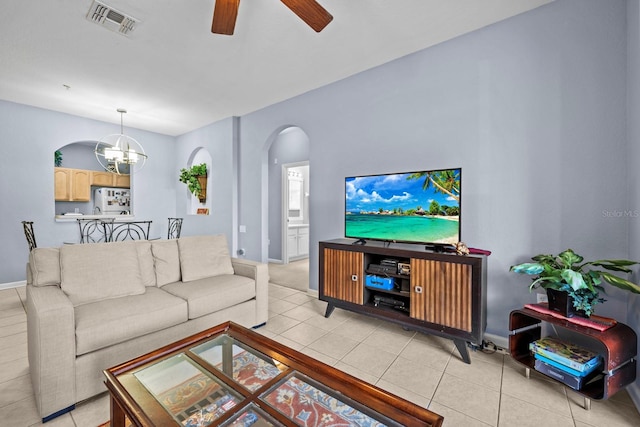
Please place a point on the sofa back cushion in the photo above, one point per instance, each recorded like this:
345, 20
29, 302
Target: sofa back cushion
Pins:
166, 260
97, 271
145, 258
204, 256
44, 264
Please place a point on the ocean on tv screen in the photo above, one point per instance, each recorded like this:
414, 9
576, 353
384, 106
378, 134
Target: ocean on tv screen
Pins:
412, 207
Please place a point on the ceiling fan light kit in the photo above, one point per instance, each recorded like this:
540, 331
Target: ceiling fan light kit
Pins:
225, 13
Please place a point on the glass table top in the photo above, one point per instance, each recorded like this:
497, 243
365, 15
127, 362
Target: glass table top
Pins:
190, 394
236, 377
245, 365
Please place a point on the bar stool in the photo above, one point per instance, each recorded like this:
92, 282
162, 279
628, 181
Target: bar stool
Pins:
94, 230
128, 230
175, 226
29, 234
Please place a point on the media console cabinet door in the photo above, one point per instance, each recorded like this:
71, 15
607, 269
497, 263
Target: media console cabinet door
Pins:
441, 293
343, 275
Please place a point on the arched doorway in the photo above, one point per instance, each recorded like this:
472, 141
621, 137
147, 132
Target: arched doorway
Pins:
288, 194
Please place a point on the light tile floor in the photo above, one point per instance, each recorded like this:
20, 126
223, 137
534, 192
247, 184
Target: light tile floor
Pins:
427, 370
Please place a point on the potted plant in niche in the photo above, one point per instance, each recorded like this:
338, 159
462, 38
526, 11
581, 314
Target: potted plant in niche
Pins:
196, 179
573, 286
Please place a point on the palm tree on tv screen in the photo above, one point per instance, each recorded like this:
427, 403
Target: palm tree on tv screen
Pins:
445, 181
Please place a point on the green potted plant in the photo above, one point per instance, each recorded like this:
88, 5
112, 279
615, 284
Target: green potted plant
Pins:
57, 158
196, 179
573, 283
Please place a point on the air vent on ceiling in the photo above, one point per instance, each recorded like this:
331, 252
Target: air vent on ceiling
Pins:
111, 18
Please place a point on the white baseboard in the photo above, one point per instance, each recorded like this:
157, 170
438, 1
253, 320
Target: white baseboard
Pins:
12, 285
313, 292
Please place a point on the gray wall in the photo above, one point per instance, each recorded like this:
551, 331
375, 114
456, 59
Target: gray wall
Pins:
533, 110
28, 138
219, 140
633, 178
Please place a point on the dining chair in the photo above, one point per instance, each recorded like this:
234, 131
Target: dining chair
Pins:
94, 230
29, 234
175, 226
128, 230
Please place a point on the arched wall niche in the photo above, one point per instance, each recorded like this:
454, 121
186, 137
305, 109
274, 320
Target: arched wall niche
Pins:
194, 207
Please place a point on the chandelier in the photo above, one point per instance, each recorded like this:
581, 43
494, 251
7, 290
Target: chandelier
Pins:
119, 153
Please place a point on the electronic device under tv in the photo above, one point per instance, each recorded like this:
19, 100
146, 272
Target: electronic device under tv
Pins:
413, 207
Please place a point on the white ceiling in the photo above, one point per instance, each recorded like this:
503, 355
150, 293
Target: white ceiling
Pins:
173, 75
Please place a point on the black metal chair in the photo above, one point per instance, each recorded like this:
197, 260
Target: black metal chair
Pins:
94, 230
29, 234
175, 226
129, 230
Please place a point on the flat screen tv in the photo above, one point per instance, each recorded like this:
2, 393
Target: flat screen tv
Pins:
413, 207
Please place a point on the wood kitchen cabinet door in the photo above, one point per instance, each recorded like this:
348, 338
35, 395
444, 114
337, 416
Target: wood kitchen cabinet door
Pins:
81, 185
101, 179
109, 179
344, 275
72, 185
62, 180
122, 181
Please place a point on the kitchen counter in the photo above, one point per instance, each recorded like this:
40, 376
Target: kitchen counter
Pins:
69, 218
297, 225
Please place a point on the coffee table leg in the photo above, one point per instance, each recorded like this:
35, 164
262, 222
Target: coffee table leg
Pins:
117, 414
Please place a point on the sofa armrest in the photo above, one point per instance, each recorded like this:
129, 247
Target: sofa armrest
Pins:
51, 348
29, 275
260, 273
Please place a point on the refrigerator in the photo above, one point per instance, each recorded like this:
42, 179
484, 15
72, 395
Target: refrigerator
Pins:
111, 200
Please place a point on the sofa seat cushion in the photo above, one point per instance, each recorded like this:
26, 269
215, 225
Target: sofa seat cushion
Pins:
111, 321
215, 293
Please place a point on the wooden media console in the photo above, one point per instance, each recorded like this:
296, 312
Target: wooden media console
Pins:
441, 294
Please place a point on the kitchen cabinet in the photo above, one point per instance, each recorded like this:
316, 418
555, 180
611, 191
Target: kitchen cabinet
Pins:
298, 241
121, 181
72, 185
108, 179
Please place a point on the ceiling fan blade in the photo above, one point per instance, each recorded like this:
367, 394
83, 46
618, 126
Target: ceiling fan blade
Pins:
225, 13
310, 12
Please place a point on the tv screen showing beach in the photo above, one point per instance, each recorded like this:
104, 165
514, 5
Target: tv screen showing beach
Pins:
420, 207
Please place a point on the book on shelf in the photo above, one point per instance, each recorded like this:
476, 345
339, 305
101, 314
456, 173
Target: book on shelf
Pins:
565, 368
567, 354
573, 381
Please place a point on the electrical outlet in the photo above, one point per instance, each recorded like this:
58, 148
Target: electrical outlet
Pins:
541, 298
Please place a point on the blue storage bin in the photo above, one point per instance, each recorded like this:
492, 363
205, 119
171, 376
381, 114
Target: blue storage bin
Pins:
374, 281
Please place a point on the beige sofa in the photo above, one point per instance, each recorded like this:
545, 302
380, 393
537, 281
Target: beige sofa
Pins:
93, 306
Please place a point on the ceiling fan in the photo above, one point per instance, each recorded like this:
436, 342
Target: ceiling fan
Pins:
226, 11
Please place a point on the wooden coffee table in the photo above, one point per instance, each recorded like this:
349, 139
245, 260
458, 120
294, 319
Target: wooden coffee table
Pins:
232, 376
